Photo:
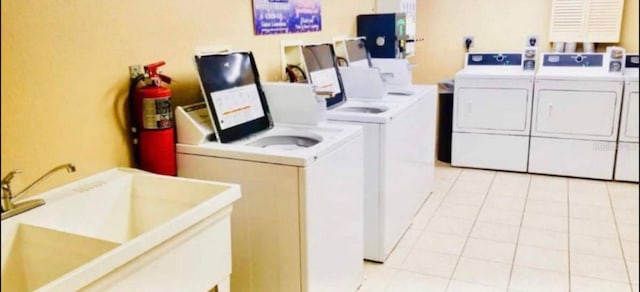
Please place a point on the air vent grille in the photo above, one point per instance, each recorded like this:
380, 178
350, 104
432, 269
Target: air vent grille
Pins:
586, 20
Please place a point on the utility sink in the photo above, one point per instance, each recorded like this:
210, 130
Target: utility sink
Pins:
121, 209
39, 255
90, 231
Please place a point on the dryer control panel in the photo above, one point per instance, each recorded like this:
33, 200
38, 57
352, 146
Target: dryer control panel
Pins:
526, 60
632, 61
573, 60
615, 59
494, 59
529, 62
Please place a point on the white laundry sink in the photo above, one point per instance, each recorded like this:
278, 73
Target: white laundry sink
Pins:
119, 229
37, 256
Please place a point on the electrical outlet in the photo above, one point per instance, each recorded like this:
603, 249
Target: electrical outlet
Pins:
467, 41
135, 71
532, 41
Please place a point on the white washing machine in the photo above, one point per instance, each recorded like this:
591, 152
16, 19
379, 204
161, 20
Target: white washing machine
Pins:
576, 113
399, 139
298, 226
492, 112
399, 134
627, 156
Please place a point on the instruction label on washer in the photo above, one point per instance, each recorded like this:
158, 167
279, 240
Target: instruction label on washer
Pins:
237, 105
326, 80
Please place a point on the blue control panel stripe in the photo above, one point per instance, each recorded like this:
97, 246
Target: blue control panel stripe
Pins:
494, 59
573, 60
632, 61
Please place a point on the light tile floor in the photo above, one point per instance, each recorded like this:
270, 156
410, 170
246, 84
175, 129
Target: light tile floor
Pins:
500, 231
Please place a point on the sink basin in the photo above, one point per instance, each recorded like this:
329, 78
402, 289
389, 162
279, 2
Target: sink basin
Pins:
363, 109
38, 255
122, 209
285, 142
98, 227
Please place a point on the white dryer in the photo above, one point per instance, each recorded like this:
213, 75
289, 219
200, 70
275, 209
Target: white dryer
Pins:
627, 156
298, 226
399, 139
576, 113
492, 112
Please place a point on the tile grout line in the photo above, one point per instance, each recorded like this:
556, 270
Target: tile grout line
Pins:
412, 246
470, 231
441, 202
515, 251
615, 221
438, 207
569, 233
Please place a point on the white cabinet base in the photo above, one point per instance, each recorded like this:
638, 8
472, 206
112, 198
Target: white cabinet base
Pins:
488, 151
627, 162
577, 158
196, 260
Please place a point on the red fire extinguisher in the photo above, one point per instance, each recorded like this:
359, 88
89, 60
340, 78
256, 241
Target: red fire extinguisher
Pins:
154, 145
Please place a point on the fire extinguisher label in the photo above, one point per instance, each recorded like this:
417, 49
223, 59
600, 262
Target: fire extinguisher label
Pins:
156, 113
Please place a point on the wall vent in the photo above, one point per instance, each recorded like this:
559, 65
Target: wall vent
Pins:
597, 21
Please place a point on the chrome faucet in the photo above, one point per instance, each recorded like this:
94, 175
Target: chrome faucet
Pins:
11, 208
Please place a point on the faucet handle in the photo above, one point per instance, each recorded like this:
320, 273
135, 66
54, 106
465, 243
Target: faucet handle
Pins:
7, 179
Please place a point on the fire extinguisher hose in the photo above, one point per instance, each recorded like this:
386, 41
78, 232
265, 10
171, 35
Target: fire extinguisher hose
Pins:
134, 128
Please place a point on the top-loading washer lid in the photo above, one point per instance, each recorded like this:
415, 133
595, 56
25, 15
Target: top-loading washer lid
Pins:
320, 60
231, 87
357, 53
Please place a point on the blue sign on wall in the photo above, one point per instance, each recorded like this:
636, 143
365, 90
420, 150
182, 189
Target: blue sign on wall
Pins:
286, 16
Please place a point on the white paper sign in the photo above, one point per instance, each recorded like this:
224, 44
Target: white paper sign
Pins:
237, 105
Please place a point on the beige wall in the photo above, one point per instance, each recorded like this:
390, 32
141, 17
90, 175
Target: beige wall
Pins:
630, 23
65, 70
65, 76
497, 25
